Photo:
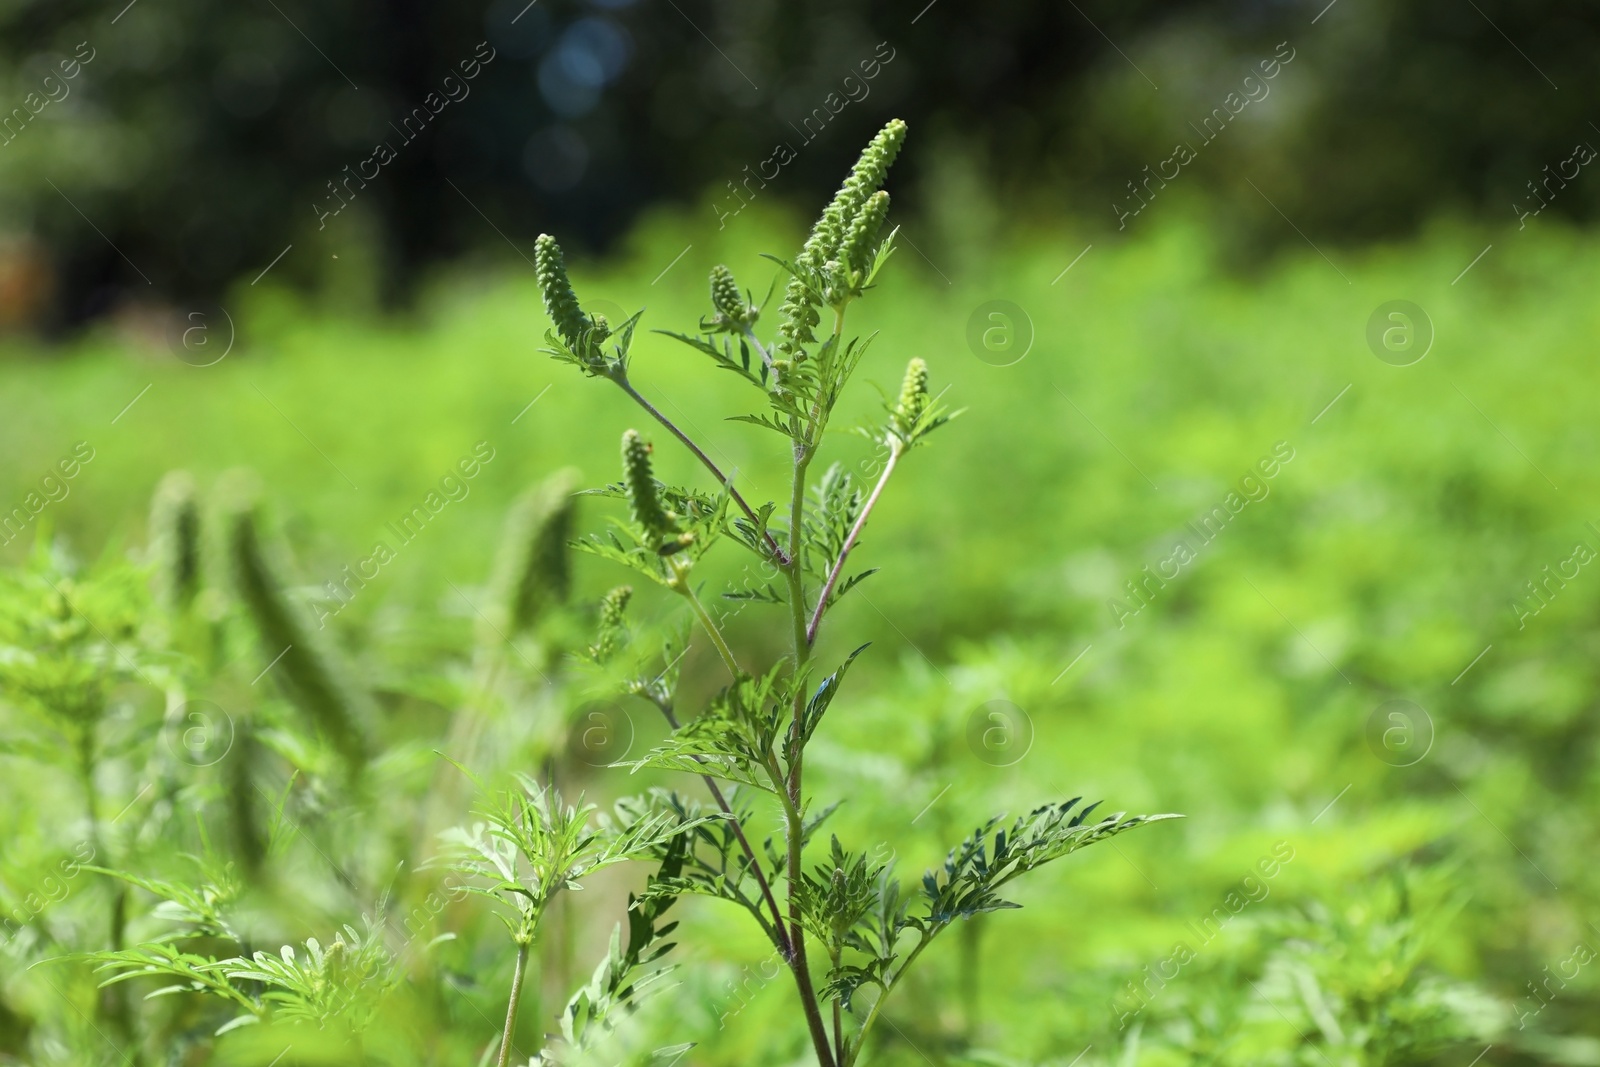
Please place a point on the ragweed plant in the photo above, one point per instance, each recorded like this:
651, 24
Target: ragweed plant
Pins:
754, 733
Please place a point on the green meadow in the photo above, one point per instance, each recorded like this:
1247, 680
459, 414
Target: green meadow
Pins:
1366, 679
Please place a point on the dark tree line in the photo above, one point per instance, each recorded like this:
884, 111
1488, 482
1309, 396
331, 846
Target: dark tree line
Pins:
206, 136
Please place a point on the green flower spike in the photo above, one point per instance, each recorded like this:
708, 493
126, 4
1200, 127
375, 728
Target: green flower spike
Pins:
799, 311
856, 252
175, 540
732, 310
864, 180
613, 611
560, 302
643, 500
532, 570
913, 401
306, 667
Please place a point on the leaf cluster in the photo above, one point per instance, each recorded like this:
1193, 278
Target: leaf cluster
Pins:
531, 844
345, 980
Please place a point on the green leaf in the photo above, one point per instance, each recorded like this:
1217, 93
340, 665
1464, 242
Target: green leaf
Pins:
722, 355
820, 701
707, 744
976, 869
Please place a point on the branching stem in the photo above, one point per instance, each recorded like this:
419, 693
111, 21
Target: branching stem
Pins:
895, 452
684, 589
766, 357
780, 933
872, 1016
794, 807
716, 472
511, 1007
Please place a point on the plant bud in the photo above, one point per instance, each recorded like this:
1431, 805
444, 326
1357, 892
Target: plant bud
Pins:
335, 958
643, 499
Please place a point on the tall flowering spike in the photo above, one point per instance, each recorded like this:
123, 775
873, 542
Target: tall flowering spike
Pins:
856, 252
643, 500
913, 400
175, 540
532, 570
799, 311
864, 180
732, 310
613, 613
560, 302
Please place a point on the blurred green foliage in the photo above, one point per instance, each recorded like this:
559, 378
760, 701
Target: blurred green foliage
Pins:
1427, 910
203, 138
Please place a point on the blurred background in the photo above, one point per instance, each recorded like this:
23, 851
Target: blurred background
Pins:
201, 138
1154, 249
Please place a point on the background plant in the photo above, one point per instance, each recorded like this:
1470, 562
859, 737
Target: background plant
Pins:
230, 821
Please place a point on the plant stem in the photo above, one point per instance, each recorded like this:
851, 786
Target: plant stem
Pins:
872, 1016
895, 451
971, 987
779, 932
466, 729
793, 825
838, 1020
684, 589
511, 1007
804, 450
710, 465
755, 868
793, 818
766, 357
797, 936
113, 1000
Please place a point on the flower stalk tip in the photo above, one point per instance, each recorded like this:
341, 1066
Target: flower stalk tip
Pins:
644, 501
733, 311
856, 252
613, 613
560, 302
913, 398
